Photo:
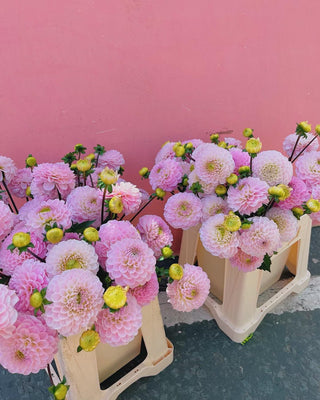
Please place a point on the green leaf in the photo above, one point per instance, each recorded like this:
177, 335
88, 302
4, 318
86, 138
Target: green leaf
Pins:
79, 228
98, 149
79, 348
266, 264
11, 247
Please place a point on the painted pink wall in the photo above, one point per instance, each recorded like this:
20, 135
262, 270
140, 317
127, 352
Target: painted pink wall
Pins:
131, 74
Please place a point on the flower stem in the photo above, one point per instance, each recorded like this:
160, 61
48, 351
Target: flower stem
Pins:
59, 195
9, 194
91, 180
35, 255
303, 149
142, 208
250, 165
102, 205
50, 375
294, 148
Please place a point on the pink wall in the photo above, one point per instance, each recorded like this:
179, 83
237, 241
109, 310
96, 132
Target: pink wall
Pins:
131, 74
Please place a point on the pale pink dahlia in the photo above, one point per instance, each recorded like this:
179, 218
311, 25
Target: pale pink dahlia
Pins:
208, 188
7, 167
233, 142
110, 233
20, 182
49, 178
155, 232
7, 220
245, 262
8, 313
129, 195
147, 292
191, 291
112, 159
183, 210
130, 262
120, 327
84, 203
71, 254
165, 152
290, 141
308, 168
28, 276
28, 206
216, 239
166, 174
212, 205
262, 237
31, 347
272, 167
298, 194
77, 298
66, 236
286, 222
240, 158
248, 196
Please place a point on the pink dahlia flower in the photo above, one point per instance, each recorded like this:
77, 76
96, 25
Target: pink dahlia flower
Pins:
240, 158
166, 174
7, 167
120, 327
110, 233
31, 347
216, 239
28, 276
191, 291
7, 220
20, 182
183, 210
262, 237
49, 178
130, 262
84, 203
71, 254
298, 195
165, 152
290, 141
248, 196
245, 262
208, 188
213, 164
212, 205
155, 232
146, 293
272, 167
129, 195
8, 313
308, 168
286, 222
77, 298
112, 159
28, 206
233, 142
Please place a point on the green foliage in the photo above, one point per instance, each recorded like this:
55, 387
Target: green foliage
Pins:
266, 264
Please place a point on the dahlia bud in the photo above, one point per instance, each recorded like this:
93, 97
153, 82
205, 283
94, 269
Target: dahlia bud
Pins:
166, 252
313, 205
108, 176
222, 144
180, 151
297, 211
116, 205
31, 161
220, 190
276, 191
21, 239
232, 179
317, 129
143, 171
54, 235
287, 191
176, 272
91, 156
160, 193
214, 137
176, 145
247, 132
253, 146
36, 300
28, 191
83, 165
244, 169
189, 146
89, 340
60, 392
305, 126
91, 234
115, 297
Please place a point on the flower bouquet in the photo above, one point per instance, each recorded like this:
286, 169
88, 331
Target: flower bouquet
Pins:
241, 206
73, 265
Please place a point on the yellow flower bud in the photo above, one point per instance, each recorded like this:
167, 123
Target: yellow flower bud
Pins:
276, 191
191, 167
176, 145
176, 272
60, 392
253, 146
108, 176
166, 252
317, 129
90, 157
54, 235
185, 182
305, 126
189, 145
313, 205
297, 211
180, 151
116, 205
21, 239
214, 137
31, 161
91, 234
73, 166
244, 168
36, 300
223, 145
220, 190
232, 222
115, 297
76, 147
143, 171
89, 340
160, 193
245, 226
28, 191
232, 179
287, 191
247, 132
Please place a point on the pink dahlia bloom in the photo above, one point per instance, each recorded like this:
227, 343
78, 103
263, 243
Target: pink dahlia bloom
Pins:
262, 237
183, 210
298, 195
7, 220
191, 291
240, 158
272, 167
290, 141
233, 142
212, 205
155, 232
31, 347
245, 262
20, 182
84, 203
308, 168
166, 175
216, 239
28, 276
77, 298
7, 167
49, 178
8, 313
146, 293
129, 194
165, 152
110, 233
28, 206
71, 254
130, 262
66, 236
208, 188
112, 159
48, 212
286, 222
119, 328
213, 164
248, 196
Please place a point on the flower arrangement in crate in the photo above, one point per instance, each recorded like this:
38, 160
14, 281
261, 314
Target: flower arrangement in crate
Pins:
247, 201
72, 261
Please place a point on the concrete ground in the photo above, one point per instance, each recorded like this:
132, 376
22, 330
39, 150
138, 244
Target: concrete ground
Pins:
281, 361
